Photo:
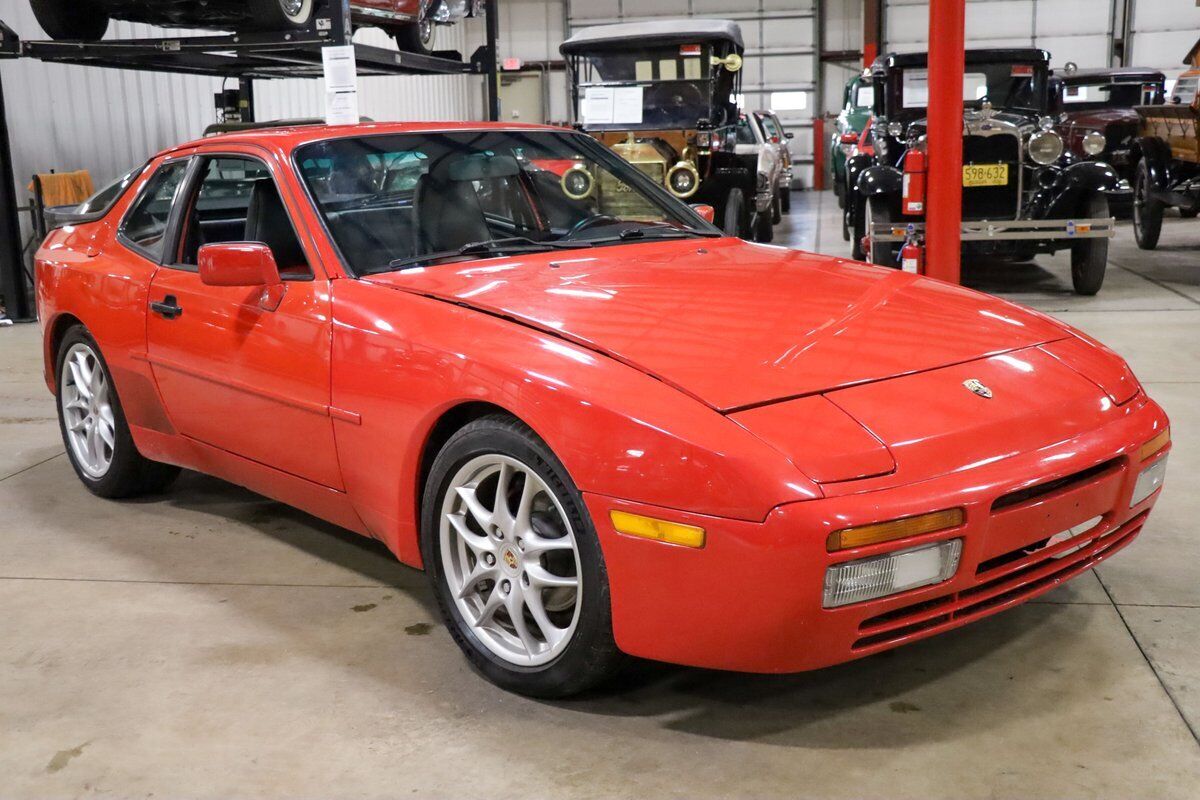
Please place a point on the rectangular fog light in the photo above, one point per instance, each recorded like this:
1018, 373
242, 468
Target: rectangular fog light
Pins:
880, 576
1149, 481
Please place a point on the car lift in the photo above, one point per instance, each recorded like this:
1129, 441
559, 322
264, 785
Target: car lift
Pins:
247, 57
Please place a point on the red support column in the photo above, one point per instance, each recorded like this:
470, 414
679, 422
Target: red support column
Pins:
943, 219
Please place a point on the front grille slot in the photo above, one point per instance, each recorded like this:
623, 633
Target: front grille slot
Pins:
992, 202
1031, 493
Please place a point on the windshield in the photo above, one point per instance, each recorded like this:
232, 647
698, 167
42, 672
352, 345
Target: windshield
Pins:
1005, 85
650, 87
862, 97
1088, 96
408, 199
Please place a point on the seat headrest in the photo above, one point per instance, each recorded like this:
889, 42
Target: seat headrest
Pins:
267, 221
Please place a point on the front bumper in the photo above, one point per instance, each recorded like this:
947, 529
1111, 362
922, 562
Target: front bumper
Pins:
751, 598
1004, 230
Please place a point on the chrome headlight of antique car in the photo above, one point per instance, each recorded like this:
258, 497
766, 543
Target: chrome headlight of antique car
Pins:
1094, 143
1045, 147
683, 179
577, 182
895, 129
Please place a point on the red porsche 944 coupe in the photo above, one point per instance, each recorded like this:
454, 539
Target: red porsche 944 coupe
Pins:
604, 429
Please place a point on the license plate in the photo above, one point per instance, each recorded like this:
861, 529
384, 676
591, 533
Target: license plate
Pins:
985, 175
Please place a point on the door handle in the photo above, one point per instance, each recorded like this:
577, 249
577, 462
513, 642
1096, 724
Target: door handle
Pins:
168, 308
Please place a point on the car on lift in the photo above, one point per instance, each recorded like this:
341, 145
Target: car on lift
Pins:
661, 94
1097, 120
858, 103
603, 431
780, 138
410, 22
1022, 194
1168, 156
753, 141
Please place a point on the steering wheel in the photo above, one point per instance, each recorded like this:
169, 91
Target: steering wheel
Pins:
590, 222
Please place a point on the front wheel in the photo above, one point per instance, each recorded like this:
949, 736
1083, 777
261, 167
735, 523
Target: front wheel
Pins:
281, 15
93, 425
762, 229
735, 222
785, 200
73, 20
1089, 257
1147, 212
416, 37
515, 562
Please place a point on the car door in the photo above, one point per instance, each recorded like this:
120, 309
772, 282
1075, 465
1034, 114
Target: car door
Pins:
233, 374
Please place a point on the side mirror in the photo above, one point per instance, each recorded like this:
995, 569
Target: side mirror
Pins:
789, 135
249, 264
707, 212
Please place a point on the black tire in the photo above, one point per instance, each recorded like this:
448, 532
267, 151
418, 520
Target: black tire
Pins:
777, 208
129, 473
1147, 212
885, 255
858, 231
274, 15
1089, 257
1189, 213
785, 200
735, 220
762, 229
71, 20
416, 37
591, 657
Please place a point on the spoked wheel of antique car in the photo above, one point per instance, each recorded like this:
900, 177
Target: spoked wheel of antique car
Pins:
1089, 257
281, 15
1147, 211
761, 227
886, 254
515, 562
93, 425
735, 222
77, 20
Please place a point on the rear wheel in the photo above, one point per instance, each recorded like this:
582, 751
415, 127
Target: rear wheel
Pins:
76, 20
515, 562
1089, 257
1189, 213
93, 425
1147, 212
735, 221
763, 230
785, 200
885, 254
281, 15
777, 208
416, 37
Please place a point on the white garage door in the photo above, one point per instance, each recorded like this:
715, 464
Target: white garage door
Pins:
780, 53
1161, 34
1072, 30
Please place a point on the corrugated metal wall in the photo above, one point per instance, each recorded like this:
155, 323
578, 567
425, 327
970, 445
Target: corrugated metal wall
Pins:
67, 117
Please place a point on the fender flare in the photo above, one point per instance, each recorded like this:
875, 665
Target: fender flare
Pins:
1096, 176
879, 179
854, 167
1157, 155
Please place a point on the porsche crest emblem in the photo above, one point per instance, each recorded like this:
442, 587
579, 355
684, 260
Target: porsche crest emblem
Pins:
975, 385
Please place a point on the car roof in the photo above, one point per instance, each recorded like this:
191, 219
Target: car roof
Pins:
290, 137
1116, 74
983, 56
663, 31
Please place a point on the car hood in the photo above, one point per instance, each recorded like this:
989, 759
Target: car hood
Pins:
737, 325
1100, 118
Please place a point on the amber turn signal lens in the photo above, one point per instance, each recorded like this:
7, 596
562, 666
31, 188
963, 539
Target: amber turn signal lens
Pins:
896, 529
1154, 445
657, 529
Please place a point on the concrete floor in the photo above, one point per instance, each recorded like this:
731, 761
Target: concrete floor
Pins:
210, 643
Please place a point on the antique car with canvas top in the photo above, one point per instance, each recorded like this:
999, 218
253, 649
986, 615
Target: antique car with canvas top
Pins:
1022, 195
858, 103
604, 431
661, 95
1168, 156
1097, 120
410, 22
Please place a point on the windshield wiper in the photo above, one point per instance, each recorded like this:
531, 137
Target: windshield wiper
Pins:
656, 233
490, 247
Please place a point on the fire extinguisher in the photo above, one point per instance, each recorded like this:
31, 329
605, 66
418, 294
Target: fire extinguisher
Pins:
912, 257
913, 193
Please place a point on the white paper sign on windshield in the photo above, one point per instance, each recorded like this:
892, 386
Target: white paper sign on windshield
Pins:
627, 105
597, 105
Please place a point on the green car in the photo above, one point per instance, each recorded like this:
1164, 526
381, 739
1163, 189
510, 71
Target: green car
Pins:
858, 100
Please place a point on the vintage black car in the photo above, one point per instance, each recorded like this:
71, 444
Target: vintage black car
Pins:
1097, 119
661, 95
1023, 194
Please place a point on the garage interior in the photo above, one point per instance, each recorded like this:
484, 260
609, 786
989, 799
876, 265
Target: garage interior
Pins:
212, 643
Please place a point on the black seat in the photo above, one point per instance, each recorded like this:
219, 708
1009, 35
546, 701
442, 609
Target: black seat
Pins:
267, 221
447, 215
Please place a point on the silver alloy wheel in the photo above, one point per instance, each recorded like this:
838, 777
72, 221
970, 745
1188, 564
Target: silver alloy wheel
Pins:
511, 560
87, 410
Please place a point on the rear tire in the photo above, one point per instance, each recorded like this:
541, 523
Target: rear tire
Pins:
734, 221
777, 208
1147, 212
518, 627
416, 37
1189, 213
785, 200
763, 231
281, 15
71, 20
108, 463
1089, 257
